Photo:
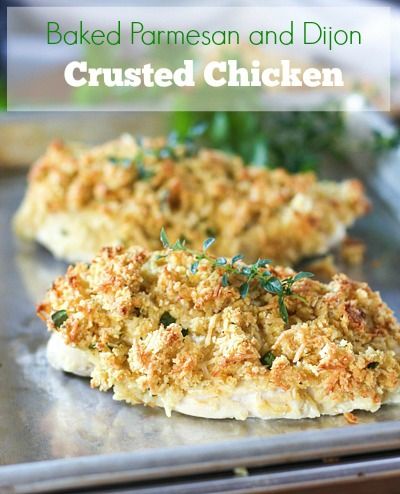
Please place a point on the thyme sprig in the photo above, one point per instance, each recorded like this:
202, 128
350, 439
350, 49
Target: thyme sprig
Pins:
257, 272
180, 145
176, 147
143, 172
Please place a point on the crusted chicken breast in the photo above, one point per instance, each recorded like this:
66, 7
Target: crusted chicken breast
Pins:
217, 338
121, 193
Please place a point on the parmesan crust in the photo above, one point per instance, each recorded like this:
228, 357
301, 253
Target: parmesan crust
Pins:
339, 351
80, 200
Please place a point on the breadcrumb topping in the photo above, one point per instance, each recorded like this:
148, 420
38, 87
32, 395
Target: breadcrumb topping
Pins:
80, 200
352, 251
154, 330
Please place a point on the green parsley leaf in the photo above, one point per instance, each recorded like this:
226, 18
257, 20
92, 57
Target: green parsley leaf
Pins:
59, 317
184, 332
166, 319
268, 359
372, 365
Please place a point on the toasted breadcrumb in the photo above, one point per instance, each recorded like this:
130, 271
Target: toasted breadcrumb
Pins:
352, 251
350, 418
338, 352
80, 200
324, 268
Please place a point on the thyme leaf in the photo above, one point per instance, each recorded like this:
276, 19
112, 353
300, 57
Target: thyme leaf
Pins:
246, 273
282, 308
124, 162
208, 243
143, 172
180, 244
237, 258
194, 267
272, 285
302, 274
225, 280
164, 238
244, 289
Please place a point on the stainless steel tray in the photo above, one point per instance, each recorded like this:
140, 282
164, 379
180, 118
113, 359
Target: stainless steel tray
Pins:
48, 415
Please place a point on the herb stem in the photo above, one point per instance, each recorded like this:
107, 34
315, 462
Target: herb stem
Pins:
253, 272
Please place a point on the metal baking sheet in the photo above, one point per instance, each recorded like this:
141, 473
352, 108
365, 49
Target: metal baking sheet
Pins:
48, 415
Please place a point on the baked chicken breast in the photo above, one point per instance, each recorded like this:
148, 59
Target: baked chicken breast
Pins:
217, 338
121, 193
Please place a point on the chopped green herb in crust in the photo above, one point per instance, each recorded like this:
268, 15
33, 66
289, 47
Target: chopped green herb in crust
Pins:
159, 332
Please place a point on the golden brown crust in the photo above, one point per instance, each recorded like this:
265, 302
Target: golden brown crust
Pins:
352, 251
267, 213
341, 341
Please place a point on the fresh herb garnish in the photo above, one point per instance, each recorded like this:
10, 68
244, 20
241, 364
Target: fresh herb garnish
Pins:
166, 319
225, 280
385, 142
124, 162
164, 238
143, 173
208, 243
296, 140
179, 145
244, 289
372, 365
176, 147
254, 272
59, 317
268, 359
